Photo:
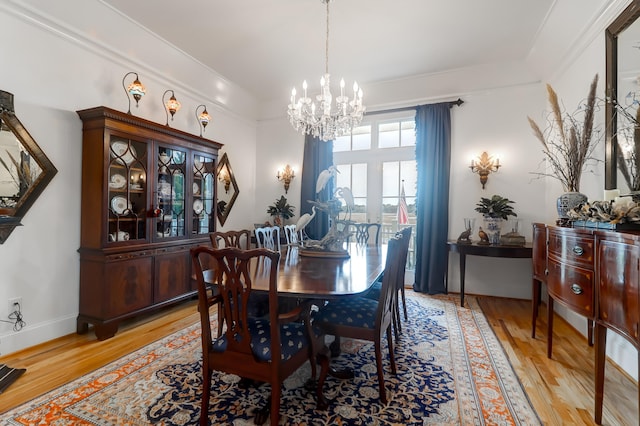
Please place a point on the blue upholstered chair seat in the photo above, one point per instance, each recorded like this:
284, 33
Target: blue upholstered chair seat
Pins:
293, 338
353, 311
374, 291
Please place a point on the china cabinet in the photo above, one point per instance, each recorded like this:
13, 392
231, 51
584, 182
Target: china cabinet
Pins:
148, 197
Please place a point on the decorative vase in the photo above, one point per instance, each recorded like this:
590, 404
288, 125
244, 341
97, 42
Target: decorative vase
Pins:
568, 201
493, 226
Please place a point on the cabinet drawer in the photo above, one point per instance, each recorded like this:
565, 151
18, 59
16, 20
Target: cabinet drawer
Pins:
572, 286
571, 248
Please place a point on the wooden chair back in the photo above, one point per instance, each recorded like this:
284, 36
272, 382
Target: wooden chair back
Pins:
268, 237
239, 239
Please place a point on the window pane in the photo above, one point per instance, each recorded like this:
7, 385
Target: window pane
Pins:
390, 176
343, 177
409, 173
361, 138
342, 143
408, 133
359, 180
389, 135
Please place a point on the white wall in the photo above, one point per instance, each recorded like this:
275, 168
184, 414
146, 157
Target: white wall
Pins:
65, 57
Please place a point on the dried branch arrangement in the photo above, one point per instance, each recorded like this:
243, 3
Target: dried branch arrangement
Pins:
567, 141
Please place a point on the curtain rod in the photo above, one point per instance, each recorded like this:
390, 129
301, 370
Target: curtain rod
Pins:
457, 102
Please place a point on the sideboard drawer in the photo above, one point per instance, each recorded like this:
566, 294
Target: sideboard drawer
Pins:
572, 286
572, 248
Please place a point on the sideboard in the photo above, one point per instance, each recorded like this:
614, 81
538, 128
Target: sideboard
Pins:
594, 273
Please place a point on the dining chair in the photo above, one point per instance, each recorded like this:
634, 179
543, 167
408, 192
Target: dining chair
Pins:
364, 231
374, 292
240, 239
267, 349
268, 237
359, 317
291, 235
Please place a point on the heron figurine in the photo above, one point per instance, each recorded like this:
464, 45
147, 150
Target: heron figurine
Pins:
346, 194
324, 177
305, 219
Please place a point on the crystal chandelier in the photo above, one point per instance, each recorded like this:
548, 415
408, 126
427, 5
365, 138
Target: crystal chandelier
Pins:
319, 117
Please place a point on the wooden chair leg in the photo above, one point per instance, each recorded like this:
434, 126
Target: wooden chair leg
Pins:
392, 357
404, 303
206, 393
276, 390
378, 350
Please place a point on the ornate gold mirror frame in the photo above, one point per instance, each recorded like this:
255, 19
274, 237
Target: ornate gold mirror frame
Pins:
25, 170
227, 189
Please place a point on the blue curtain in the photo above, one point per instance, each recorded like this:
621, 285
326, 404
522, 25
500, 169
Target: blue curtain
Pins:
318, 156
433, 157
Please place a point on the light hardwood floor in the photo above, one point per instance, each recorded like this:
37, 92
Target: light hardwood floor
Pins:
560, 389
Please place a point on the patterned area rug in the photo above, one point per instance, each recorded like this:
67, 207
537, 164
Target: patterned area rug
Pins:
451, 371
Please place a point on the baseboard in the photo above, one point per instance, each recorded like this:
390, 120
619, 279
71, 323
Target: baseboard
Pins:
32, 335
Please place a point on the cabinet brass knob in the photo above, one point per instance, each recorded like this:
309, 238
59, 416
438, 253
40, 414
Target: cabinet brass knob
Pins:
576, 289
578, 250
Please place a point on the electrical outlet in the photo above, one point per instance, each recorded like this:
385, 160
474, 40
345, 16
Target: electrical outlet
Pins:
12, 302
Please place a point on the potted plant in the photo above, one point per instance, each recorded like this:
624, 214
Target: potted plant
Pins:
281, 210
494, 210
568, 144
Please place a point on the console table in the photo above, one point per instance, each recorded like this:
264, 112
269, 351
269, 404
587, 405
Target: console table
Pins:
473, 249
595, 273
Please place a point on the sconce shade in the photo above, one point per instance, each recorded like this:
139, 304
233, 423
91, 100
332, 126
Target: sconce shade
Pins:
203, 118
172, 105
484, 166
286, 176
135, 89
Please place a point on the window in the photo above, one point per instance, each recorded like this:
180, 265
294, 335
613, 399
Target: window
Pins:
375, 162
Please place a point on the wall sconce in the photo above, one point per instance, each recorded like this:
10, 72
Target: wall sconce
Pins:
485, 165
172, 105
225, 178
135, 89
286, 175
203, 118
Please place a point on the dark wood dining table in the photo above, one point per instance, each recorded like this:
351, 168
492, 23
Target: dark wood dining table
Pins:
315, 277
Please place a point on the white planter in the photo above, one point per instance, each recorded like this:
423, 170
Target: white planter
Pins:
493, 227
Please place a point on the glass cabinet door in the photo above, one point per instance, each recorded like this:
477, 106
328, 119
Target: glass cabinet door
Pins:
127, 209
170, 213
204, 194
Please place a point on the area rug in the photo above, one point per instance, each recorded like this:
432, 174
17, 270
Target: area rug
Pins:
451, 371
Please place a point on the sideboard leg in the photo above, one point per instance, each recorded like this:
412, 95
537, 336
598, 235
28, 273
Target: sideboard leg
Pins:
535, 304
600, 349
549, 325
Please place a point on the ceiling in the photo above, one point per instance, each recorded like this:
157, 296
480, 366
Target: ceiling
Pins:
269, 46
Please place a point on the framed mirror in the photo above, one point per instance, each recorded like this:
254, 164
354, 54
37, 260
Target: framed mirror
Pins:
622, 151
227, 189
25, 170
